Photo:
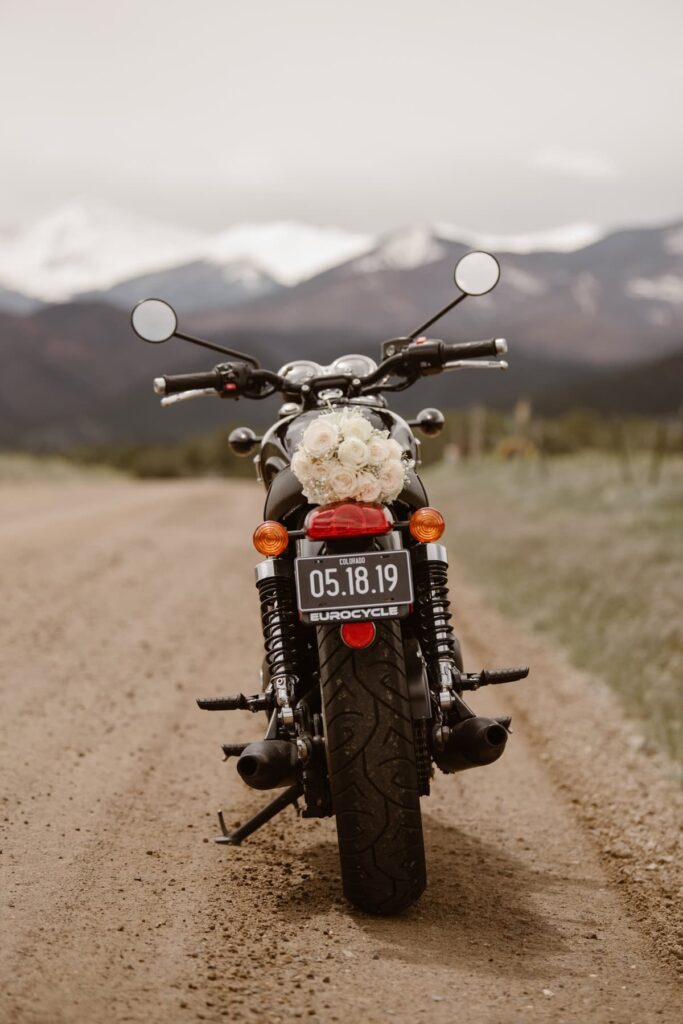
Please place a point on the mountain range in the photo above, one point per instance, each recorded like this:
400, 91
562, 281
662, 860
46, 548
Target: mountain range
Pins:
574, 304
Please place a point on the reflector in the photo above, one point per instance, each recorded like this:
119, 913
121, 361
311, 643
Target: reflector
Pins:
270, 538
347, 519
427, 524
358, 634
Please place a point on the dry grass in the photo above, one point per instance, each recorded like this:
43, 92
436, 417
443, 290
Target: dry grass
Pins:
591, 560
21, 468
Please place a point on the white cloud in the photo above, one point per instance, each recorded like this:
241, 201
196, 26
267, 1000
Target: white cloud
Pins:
573, 164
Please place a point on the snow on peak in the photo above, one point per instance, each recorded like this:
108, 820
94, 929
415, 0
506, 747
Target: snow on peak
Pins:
666, 288
86, 245
567, 238
403, 250
673, 241
288, 251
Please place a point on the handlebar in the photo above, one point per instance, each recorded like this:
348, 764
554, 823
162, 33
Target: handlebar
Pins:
187, 382
476, 349
418, 358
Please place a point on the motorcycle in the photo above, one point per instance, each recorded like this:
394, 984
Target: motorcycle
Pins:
363, 680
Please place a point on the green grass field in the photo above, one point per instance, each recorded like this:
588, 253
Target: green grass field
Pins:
590, 560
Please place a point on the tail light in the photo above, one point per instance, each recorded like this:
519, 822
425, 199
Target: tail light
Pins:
347, 519
358, 634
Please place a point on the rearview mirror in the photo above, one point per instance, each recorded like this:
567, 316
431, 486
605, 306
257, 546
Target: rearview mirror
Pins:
154, 321
477, 273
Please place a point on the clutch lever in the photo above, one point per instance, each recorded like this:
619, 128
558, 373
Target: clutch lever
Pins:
477, 364
185, 396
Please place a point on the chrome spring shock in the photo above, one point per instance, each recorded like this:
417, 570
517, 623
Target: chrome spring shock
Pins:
279, 621
439, 645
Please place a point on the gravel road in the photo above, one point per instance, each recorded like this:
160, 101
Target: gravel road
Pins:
554, 873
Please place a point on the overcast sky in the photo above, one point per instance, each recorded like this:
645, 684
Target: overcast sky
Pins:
498, 116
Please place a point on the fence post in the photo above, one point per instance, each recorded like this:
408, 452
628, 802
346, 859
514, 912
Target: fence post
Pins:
658, 452
476, 423
622, 450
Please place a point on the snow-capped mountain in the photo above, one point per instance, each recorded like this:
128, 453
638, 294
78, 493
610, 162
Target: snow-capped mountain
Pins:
289, 251
566, 238
617, 301
88, 247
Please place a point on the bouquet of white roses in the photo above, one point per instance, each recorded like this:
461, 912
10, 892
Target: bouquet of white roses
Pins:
342, 456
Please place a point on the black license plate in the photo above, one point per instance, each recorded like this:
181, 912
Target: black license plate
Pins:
375, 585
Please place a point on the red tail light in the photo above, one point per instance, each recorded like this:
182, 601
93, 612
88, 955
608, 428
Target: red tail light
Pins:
358, 634
347, 519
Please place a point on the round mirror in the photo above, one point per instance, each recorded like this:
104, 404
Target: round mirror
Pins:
243, 440
477, 273
430, 421
154, 320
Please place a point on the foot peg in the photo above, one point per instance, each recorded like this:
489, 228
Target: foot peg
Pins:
286, 799
237, 702
487, 677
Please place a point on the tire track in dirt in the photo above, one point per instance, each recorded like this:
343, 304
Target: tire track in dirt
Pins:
114, 905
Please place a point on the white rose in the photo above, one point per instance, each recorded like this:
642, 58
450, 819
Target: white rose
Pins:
392, 478
342, 481
378, 450
303, 466
356, 425
368, 487
394, 449
353, 453
320, 437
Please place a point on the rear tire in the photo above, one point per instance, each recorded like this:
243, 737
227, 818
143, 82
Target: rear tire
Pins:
372, 768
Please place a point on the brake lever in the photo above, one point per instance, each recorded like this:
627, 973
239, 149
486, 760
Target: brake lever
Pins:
186, 396
477, 364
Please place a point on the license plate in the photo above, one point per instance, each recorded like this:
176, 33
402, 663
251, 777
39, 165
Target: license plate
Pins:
357, 586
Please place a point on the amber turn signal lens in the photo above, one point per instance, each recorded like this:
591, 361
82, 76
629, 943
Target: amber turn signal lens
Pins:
427, 525
271, 538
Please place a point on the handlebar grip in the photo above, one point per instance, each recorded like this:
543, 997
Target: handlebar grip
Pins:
475, 349
187, 382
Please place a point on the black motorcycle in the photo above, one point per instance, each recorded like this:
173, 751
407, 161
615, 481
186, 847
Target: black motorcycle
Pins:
362, 681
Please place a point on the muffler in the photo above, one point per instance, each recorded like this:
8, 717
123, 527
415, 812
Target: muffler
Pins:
469, 744
269, 764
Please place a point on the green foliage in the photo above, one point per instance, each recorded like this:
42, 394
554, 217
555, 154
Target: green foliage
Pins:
589, 556
485, 430
572, 432
204, 455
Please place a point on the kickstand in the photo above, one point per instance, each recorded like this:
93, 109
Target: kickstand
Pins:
290, 796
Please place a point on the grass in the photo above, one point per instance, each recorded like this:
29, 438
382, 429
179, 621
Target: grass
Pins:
21, 468
593, 561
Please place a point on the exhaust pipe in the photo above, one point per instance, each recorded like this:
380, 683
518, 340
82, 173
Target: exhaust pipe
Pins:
269, 764
471, 743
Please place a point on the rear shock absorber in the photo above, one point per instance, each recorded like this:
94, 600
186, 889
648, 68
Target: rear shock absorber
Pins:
432, 606
275, 584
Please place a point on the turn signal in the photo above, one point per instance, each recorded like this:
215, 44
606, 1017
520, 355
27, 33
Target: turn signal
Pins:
358, 634
426, 525
271, 538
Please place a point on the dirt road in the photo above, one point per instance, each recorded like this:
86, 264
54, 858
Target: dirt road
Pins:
552, 873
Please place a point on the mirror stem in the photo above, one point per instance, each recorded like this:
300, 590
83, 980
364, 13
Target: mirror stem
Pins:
442, 312
216, 348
